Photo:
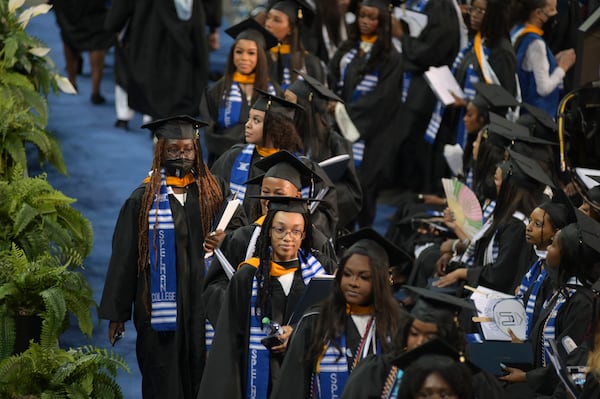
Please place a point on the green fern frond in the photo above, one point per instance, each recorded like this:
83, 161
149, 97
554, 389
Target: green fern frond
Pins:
54, 315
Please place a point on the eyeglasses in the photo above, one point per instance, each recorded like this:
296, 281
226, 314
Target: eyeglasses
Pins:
477, 10
280, 233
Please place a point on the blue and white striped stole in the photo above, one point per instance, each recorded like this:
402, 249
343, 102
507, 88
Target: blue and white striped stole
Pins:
162, 262
240, 171
231, 106
549, 331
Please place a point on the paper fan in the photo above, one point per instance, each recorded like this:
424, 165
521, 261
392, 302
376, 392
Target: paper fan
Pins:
465, 205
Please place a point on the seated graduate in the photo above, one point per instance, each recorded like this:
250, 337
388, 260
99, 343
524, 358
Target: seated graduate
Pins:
270, 128
435, 317
359, 318
262, 295
227, 102
572, 263
284, 175
502, 256
321, 141
544, 222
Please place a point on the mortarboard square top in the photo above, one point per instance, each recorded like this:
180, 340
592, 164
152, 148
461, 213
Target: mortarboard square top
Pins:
307, 86
371, 240
285, 165
178, 127
272, 103
437, 299
540, 116
495, 96
512, 131
589, 229
249, 29
381, 4
434, 347
530, 167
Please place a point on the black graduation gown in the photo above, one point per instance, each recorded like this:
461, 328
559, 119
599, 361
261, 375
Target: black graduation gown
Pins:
234, 248
226, 369
368, 379
312, 67
574, 320
296, 372
373, 114
325, 216
81, 24
438, 44
171, 363
515, 257
167, 57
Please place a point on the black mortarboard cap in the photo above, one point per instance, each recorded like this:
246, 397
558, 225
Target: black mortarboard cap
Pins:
308, 86
285, 165
494, 96
178, 127
296, 10
373, 242
589, 230
520, 164
433, 347
269, 102
512, 131
286, 204
441, 300
560, 209
540, 116
250, 29
381, 4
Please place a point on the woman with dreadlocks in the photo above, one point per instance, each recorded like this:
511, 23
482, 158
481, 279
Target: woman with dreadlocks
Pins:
157, 262
260, 299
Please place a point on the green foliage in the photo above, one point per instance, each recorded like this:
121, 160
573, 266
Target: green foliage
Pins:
40, 219
27, 76
51, 372
42, 287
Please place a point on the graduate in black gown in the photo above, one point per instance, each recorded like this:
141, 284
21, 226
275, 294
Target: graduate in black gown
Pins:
265, 290
167, 56
359, 318
573, 267
167, 307
284, 175
270, 128
286, 20
434, 319
322, 141
366, 74
436, 45
226, 103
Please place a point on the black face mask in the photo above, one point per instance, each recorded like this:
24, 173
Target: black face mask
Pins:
550, 25
178, 167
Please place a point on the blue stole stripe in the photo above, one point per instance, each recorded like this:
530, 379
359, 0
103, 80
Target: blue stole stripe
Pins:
333, 372
418, 6
209, 335
231, 107
358, 152
258, 354
529, 309
240, 171
368, 82
549, 331
163, 269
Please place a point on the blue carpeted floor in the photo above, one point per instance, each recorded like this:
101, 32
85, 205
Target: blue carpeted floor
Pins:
104, 165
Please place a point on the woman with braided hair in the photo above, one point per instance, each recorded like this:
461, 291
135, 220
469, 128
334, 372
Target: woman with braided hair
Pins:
263, 293
157, 262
